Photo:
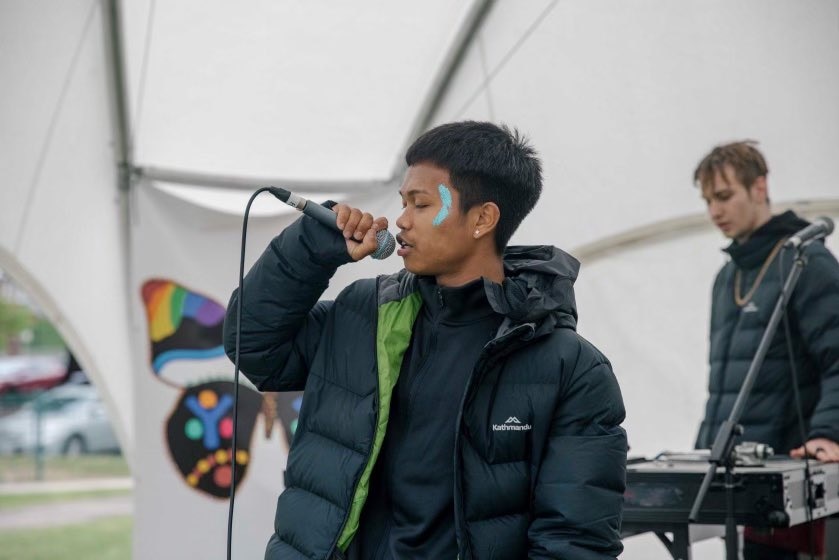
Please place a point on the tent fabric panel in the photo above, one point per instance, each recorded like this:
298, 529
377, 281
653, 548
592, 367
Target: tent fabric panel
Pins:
326, 89
71, 244
623, 113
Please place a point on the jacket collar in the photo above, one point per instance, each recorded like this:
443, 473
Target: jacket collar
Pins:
459, 305
538, 288
754, 251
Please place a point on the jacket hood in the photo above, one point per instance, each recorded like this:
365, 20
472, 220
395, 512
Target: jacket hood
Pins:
757, 247
538, 288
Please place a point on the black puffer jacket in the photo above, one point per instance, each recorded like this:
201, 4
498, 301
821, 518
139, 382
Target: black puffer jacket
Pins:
736, 331
539, 454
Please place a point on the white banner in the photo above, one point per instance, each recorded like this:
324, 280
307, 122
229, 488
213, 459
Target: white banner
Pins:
185, 265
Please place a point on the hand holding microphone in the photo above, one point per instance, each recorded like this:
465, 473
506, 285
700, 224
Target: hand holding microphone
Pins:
362, 232
365, 236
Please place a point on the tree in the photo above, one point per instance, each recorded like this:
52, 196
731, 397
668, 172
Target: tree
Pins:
14, 318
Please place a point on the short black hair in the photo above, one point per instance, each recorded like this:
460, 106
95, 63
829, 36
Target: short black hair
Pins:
487, 163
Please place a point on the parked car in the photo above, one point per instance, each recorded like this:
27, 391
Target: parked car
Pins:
72, 421
23, 374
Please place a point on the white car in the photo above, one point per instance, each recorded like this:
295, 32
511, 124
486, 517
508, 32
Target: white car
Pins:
72, 421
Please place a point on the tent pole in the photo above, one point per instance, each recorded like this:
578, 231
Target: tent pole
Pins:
119, 98
449, 66
681, 226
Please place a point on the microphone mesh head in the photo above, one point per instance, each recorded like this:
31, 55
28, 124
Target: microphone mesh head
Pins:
386, 244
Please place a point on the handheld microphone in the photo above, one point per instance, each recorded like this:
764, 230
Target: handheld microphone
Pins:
385, 240
821, 227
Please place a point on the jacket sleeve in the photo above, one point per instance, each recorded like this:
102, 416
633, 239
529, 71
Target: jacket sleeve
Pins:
816, 308
704, 437
282, 321
578, 497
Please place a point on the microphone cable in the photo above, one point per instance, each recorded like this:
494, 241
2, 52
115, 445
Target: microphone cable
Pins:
236, 371
808, 509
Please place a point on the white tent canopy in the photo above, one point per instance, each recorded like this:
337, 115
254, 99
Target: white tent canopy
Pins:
132, 134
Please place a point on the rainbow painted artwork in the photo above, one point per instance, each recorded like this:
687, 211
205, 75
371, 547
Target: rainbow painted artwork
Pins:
182, 324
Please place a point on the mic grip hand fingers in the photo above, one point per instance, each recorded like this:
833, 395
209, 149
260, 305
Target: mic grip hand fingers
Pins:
364, 235
353, 223
363, 226
342, 213
377, 243
367, 246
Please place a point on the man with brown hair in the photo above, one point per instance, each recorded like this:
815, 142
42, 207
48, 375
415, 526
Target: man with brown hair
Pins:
733, 182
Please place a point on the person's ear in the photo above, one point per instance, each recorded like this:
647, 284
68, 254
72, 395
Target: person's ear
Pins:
485, 219
760, 190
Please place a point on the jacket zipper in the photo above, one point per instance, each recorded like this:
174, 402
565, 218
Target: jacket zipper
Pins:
422, 367
462, 541
459, 531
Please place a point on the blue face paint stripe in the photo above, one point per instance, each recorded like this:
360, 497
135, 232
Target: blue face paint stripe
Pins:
446, 198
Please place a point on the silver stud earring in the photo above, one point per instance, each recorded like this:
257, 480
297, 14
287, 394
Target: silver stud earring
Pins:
477, 233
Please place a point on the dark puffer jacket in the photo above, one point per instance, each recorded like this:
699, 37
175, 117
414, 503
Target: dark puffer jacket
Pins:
552, 487
736, 331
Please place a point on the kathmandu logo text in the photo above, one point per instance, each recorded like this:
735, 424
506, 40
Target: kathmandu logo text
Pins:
512, 424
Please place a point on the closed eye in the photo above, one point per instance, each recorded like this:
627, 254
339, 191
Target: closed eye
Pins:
405, 205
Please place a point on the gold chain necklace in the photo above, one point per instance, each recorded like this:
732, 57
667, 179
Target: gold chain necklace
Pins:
741, 301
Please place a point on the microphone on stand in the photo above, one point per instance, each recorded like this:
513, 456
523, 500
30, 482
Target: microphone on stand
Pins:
385, 240
820, 228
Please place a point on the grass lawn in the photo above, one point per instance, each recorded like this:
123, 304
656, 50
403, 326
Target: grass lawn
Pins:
104, 539
9, 501
21, 468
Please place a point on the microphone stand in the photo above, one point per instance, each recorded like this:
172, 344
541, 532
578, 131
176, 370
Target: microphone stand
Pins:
722, 452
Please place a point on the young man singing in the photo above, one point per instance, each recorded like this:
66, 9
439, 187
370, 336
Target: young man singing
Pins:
450, 409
